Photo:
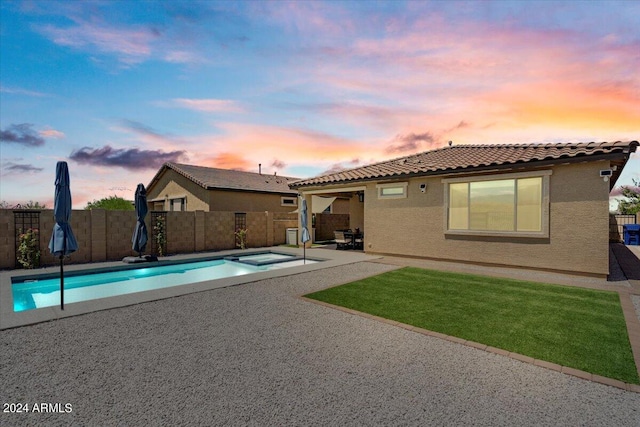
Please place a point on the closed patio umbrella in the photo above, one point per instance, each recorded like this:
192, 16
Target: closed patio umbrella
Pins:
62, 242
140, 236
305, 230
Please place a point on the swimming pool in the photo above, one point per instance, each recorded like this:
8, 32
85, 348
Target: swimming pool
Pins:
33, 292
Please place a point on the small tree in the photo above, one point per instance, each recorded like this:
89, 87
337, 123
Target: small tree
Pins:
241, 238
111, 203
631, 204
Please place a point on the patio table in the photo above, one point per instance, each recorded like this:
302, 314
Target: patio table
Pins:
352, 236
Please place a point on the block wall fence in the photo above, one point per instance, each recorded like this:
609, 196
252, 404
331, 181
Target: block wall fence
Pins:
616, 224
104, 235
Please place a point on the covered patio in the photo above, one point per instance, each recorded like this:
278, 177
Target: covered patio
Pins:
344, 201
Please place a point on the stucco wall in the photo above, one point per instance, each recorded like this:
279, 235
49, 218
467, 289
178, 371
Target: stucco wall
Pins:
578, 242
341, 206
356, 214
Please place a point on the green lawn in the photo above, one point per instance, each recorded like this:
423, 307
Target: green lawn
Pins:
575, 327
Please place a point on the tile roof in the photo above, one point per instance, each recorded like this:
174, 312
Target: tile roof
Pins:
213, 178
465, 158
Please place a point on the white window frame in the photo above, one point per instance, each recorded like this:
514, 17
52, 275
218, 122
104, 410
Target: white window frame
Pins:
293, 199
402, 185
544, 233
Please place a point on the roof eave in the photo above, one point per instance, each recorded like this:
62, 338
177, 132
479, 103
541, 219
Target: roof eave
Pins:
623, 154
287, 192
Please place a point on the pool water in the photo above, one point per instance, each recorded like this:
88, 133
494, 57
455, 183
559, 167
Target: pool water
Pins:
31, 294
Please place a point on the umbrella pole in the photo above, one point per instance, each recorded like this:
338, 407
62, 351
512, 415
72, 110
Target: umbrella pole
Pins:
61, 284
304, 253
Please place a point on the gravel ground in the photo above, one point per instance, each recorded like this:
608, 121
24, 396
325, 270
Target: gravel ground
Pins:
256, 354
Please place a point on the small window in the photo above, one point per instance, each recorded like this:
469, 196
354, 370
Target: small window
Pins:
396, 190
288, 201
178, 205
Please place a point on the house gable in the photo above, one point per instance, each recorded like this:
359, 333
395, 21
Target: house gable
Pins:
168, 186
227, 179
200, 188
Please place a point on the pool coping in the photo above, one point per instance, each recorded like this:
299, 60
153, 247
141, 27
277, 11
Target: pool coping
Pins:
10, 319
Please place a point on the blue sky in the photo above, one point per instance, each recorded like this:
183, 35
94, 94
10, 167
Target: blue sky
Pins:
116, 87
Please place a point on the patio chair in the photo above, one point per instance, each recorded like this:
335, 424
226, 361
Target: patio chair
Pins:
341, 241
358, 242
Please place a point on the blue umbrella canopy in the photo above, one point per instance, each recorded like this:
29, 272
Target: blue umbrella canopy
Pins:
62, 242
303, 221
140, 235
305, 229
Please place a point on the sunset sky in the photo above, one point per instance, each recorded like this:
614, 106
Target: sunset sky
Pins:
118, 88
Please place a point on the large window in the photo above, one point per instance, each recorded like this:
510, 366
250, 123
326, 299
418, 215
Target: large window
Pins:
515, 204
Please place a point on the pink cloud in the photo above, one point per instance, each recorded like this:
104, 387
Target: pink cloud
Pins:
209, 105
51, 133
567, 104
429, 59
230, 160
529, 84
243, 146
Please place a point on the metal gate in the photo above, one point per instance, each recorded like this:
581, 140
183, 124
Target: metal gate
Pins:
616, 225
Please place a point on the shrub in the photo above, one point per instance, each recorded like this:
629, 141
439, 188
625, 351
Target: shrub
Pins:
241, 238
29, 248
160, 235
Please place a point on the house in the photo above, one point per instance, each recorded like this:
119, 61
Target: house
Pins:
180, 187
537, 206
